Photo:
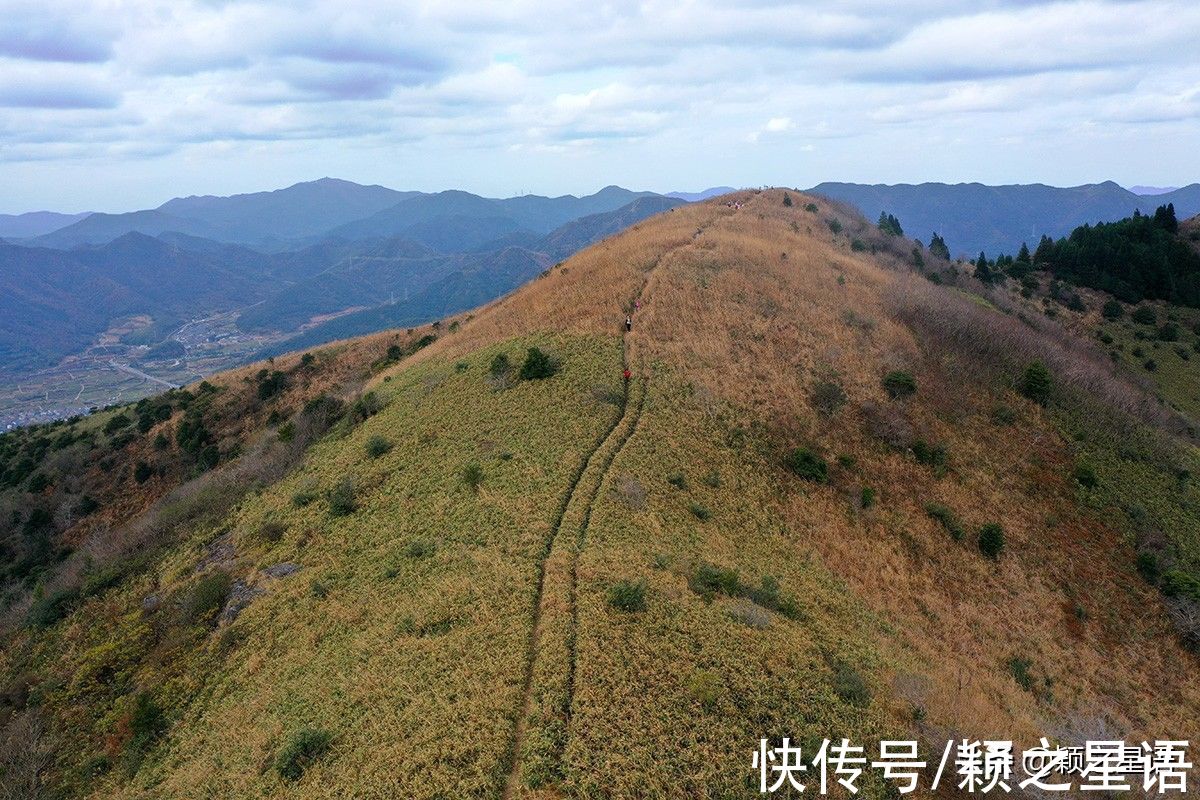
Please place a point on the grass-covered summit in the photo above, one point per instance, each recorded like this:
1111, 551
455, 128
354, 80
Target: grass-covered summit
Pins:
832, 499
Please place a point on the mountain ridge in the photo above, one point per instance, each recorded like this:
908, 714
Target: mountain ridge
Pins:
975, 217
495, 531
306, 211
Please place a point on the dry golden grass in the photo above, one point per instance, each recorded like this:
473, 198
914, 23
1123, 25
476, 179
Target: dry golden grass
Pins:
752, 330
418, 665
748, 327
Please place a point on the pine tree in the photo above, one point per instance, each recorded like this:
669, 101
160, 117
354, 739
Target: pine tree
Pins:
1023, 256
1045, 250
1164, 217
889, 224
937, 247
982, 271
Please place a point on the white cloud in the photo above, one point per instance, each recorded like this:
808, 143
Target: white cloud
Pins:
645, 91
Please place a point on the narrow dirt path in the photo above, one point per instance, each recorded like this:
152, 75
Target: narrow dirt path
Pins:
580, 538
598, 460
535, 633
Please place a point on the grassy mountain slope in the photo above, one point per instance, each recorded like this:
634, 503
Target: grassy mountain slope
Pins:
579, 233
507, 586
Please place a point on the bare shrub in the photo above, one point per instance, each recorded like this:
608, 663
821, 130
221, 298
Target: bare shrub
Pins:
1185, 613
827, 397
1000, 345
25, 757
603, 393
889, 424
631, 492
748, 614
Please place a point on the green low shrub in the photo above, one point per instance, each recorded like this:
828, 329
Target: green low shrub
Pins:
1018, 667
710, 580
500, 365
991, 540
147, 724
949, 520
142, 472
1177, 583
472, 476
1003, 415
899, 384
271, 531
866, 497
933, 456
1145, 315
49, 609
343, 498
302, 749
628, 596
206, 597
768, 596
537, 366
1036, 383
806, 464
367, 405
378, 446
419, 549
827, 398
1147, 566
850, 686
1085, 475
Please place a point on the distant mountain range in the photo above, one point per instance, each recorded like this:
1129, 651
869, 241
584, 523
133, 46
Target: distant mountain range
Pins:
34, 223
693, 197
422, 288
286, 257
368, 257
972, 217
306, 212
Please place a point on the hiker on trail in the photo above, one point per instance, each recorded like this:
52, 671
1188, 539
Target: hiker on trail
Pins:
637, 305
627, 375
628, 324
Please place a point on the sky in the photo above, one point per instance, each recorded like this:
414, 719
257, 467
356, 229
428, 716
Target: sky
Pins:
112, 105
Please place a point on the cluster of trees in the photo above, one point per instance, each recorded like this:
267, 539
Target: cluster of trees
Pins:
889, 224
938, 246
1137, 258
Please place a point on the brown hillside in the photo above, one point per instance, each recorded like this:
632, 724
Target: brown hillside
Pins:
479, 575
753, 309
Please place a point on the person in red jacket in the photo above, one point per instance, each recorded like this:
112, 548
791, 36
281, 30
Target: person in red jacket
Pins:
627, 375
